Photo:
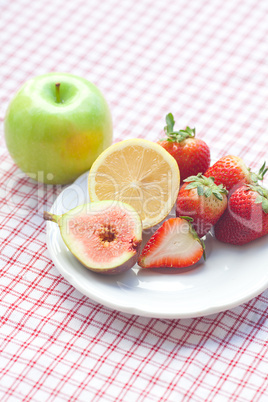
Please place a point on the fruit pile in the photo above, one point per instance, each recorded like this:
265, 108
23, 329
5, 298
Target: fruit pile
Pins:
226, 197
143, 180
59, 125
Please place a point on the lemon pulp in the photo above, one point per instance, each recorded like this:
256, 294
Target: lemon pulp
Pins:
140, 173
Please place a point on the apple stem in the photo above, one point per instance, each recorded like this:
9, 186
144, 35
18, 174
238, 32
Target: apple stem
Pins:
58, 99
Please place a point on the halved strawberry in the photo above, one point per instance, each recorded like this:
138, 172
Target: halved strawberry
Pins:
175, 244
232, 172
192, 154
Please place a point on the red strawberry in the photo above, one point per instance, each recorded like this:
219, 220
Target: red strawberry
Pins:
204, 201
232, 172
192, 154
246, 217
175, 244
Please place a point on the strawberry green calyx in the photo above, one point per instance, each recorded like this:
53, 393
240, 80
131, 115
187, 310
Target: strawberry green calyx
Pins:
205, 186
255, 177
189, 219
262, 197
177, 136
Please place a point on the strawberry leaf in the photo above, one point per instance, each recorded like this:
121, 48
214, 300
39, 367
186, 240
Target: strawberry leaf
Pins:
218, 195
255, 177
177, 136
187, 218
204, 249
205, 186
189, 131
190, 178
200, 190
265, 205
191, 185
170, 123
258, 199
261, 197
208, 192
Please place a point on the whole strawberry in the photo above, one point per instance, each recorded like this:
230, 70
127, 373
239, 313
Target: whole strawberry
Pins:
201, 199
246, 217
174, 245
232, 172
192, 154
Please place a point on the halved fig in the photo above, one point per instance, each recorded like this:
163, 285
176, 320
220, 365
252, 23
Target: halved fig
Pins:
104, 236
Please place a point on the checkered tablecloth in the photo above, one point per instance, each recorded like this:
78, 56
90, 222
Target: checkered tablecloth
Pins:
206, 61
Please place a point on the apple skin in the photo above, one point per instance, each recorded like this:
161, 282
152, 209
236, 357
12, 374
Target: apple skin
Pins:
55, 142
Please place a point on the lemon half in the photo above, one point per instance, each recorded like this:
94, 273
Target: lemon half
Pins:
140, 173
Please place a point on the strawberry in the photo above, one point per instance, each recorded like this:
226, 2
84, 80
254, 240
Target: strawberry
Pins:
192, 154
232, 172
174, 244
204, 201
246, 217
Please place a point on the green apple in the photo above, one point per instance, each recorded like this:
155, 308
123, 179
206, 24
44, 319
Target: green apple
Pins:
56, 126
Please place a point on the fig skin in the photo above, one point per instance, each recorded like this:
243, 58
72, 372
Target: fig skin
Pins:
126, 266
98, 211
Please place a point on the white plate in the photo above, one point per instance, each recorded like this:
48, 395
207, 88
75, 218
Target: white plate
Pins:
230, 276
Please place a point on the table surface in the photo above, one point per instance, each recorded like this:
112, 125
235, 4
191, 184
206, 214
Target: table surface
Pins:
206, 62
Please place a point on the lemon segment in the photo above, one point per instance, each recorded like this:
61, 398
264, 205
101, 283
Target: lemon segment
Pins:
140, 173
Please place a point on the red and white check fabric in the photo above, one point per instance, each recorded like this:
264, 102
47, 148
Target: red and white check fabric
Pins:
206, 62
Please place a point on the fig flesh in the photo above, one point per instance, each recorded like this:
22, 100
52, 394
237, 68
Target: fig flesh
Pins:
104, 236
